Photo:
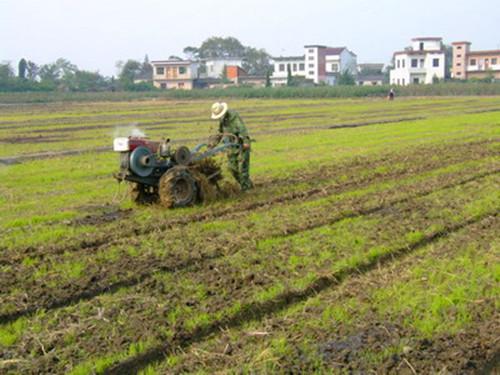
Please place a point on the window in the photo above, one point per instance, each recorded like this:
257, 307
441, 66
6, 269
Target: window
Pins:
311, 51
403, 81
282, 67
302, 67
416, 81
473, 62
414, 63
160, 71
182, 70
459, 56
494, 61
421, 46
163, 85
294, 67
459, 47
311, 57
311, 73
459, 73
180, 85
399, 82
422, 63
435, 63
311, 65
399, 63
335, 67
403, 63
459, 64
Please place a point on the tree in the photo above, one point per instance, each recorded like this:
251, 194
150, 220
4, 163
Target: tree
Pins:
192, 53
32, 71
256, 61
268, 78
6, 72
146, 69
346, 78
217, 47
22, 66
130, 71
289, 78
448, 61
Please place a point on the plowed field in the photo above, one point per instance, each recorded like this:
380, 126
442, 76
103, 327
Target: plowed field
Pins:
369, 244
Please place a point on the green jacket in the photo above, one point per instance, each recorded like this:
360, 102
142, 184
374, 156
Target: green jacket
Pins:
232, 123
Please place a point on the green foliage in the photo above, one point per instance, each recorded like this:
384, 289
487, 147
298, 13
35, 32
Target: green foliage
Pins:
22, 66
346, 78
255, 61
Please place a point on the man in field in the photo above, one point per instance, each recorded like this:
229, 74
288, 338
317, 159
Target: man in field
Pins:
230, 122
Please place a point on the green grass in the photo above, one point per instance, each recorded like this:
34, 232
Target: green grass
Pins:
223, 268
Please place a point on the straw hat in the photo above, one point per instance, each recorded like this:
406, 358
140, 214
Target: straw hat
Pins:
219, 110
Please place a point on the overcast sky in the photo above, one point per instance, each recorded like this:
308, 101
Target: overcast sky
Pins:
94, 34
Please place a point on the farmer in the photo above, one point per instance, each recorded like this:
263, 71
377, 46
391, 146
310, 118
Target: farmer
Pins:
238, 158
391, 94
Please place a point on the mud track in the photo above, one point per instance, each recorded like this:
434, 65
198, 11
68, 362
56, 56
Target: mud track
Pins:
418, 162
257, 311
96, 282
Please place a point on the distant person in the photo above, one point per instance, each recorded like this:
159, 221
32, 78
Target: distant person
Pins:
391, 94
230, 122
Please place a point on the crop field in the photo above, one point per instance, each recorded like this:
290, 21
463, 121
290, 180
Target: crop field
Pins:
370, 243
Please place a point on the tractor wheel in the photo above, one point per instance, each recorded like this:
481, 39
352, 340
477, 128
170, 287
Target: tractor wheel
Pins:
143, 194
177, 188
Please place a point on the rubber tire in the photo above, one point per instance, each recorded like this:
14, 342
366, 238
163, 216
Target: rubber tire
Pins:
178, 188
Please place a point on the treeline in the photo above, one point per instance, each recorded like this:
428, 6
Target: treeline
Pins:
62, 75
439, 89
133, 75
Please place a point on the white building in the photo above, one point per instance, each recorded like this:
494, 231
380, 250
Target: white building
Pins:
323, 64
213, 68
296, 65
320, 64
423, 62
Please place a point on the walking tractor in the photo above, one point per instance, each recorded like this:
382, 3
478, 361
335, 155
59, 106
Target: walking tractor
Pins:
176, 177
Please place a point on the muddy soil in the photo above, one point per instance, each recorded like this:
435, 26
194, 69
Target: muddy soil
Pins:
418, 161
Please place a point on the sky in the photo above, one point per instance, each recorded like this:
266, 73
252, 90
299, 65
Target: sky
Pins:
95, 34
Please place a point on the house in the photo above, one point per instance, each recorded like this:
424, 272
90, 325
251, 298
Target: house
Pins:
295, 64
370, 68
324, 64
319, 64
239, 76
423, 62
370, 74
234, 73
469, 64
214, 67
370, 80
175, 74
